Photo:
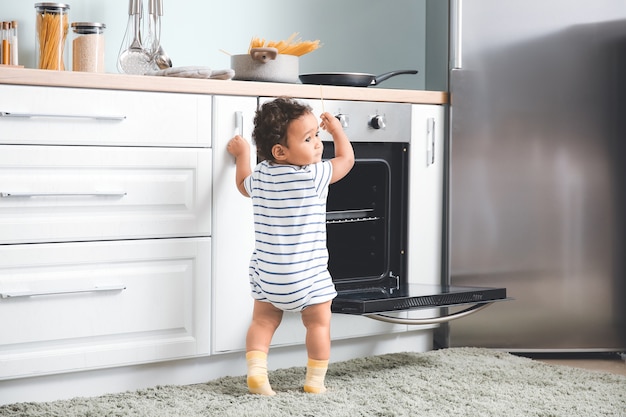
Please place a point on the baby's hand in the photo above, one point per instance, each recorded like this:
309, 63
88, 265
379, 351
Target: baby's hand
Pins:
330, 123
237, 146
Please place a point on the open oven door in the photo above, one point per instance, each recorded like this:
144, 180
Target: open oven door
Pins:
379, 304
367, 238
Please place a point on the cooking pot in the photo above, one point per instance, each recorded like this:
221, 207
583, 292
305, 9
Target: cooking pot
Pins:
351, 79
265, 64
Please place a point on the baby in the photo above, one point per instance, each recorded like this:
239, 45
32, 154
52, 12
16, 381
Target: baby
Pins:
289, 266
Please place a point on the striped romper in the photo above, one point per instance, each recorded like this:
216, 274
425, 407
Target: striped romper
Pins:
289, 266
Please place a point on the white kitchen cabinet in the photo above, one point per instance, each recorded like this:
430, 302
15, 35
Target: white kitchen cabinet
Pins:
122, 242
70, 193
117, 262
232, 227
105, 228
426, 193
76, 306
426, 187
76, 116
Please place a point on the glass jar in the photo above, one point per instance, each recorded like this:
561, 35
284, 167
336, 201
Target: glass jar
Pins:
52, 24
88, 46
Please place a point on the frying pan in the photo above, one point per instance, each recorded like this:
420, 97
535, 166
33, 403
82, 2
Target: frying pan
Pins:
350, 79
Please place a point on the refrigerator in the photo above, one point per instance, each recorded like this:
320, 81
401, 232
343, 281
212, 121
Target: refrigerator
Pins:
536, 182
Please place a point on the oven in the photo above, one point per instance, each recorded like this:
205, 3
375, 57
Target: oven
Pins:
369, 239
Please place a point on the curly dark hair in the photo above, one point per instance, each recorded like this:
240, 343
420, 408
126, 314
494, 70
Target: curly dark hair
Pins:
271, 122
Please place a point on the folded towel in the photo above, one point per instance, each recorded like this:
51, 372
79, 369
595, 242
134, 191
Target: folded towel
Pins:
194, 72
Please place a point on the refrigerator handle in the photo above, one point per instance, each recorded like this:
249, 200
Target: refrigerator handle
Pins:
456, 34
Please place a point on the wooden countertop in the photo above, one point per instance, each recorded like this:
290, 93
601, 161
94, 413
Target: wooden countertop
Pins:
25, 76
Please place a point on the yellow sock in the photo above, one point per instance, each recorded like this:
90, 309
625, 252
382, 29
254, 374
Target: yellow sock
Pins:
315, 374
258, 381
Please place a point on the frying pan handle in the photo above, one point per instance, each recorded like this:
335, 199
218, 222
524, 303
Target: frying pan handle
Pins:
382, 77
263, 54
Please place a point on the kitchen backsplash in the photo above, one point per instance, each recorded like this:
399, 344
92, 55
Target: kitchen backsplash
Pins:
357, 35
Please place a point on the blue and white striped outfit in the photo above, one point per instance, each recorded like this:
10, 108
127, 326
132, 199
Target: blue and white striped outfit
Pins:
289, 266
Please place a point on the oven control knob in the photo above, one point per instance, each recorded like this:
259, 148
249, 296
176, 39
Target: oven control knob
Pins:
377, 122
344, 119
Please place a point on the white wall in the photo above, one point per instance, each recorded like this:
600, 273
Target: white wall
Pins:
371, 36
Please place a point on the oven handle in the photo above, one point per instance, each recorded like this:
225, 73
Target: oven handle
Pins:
433, 320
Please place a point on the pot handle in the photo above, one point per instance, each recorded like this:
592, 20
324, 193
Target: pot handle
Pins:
264, 54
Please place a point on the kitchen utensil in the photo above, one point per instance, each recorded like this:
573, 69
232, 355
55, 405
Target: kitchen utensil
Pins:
265, 64
351, 79
161, 59
134, 60
152, 38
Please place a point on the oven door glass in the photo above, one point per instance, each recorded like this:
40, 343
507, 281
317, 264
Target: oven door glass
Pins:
365, 216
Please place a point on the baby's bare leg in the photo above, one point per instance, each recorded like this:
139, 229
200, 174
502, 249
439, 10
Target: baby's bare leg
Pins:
265, 320
316, 319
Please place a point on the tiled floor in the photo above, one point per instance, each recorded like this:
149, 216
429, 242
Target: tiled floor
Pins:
614, 365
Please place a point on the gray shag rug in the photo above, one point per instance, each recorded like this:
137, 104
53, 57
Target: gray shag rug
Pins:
448, 382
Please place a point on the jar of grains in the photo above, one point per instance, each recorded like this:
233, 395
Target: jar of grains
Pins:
52, 24
88, 46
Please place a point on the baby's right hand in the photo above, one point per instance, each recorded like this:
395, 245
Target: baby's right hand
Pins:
330, 123
237, 146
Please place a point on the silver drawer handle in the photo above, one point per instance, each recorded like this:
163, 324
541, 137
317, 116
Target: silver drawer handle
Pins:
18, 294
93, 194
71, 116
430, 144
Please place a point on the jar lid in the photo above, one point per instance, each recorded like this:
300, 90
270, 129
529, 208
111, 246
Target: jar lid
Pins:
88, 25
88, 28
51, 6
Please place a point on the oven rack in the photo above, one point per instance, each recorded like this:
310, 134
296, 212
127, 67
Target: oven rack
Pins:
351, 216
359, 219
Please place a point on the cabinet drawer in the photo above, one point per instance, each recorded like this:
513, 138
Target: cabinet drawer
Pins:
72, 193
54, 115
72, 306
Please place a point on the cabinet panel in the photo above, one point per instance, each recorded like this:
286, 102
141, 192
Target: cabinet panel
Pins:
70, 193
32, 115
72, 306
232, 227
426, 194
426, 188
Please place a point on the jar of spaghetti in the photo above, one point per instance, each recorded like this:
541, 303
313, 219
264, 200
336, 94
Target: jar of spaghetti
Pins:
52, 24
88, 46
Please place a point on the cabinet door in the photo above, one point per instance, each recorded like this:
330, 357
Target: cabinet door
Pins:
426, 187
76, 306
53, 115
426, 193
71, 193
232, 227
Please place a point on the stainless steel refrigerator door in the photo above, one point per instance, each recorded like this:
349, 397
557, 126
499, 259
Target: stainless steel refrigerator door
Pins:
536, 185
